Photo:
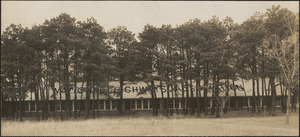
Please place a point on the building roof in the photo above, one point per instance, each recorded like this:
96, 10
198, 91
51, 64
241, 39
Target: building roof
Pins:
132, 91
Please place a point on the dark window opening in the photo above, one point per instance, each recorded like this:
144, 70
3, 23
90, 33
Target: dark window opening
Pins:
114, 104
107, 105
26, 106
52, 106
132, 104
139, 104
63, 105
145, 104
176, 103
95, 104
32, 106
101, 104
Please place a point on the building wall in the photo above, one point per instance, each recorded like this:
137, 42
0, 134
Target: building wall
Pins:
9, 107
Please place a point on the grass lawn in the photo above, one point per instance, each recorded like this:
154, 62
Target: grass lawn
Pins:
151, 126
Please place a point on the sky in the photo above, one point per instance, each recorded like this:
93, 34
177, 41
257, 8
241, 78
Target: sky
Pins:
133, 14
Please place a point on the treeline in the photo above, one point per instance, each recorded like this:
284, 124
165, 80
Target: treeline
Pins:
210, 53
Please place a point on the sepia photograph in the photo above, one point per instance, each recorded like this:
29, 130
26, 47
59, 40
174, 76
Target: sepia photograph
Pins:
149, 68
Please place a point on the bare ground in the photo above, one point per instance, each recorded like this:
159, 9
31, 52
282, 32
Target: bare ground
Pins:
152, 126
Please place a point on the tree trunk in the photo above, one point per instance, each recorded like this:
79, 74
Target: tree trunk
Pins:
93, 103
155, 98
187, 109
47, 103
217, 96
121, 94
31, 102
54, 96
37, 105
192, 99
222, 107
23, 112
67, 99
13, 109
79, 104
213, 97
98, 103
197, 96
295, 98
287, 121
182, 98
172, 98
61, 111
16, 106
262, 93
21, 106
205, 89
269, 102
253, 97
282, 98
87, 101
168, 99
258, 96
273, 88
245, 93
162, 98
157, 104
236, 99
225, 106
75, 99
42, 101
263, 81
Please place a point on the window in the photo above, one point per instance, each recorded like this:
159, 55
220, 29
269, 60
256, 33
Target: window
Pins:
101, 104
81, 104
40, 106
114, 104
139, 104
58, 105
278, 102
63, 105
170, 103
26, 106
107, 105
245, 102
71, 105
95, 104
183, 102
177, 103
208, 102
257, 101
145, 104
157, 103
132, 104
165, 103
240, 102
77, 105
52, 106
265, 101
150, 103
32, 106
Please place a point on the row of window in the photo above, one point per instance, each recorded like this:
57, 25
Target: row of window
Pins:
106, 105
102, 104
133, 104
147, 104
248, 101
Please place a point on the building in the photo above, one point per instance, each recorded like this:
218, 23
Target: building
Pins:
134, 101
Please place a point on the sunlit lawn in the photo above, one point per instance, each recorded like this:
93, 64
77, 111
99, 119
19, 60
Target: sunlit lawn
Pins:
148, 125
